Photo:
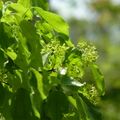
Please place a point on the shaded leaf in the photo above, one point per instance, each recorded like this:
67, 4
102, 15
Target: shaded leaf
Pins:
90, 109
2, 94
57, 104
41, 3
40, 85
21, 106
36, 61
2, 59
6, 37
5, 111
1, 6
70, 84
28, 30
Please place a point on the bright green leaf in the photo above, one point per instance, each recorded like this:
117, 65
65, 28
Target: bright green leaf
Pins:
25, 3
54, 20
11, 53
21, 10
44, 28
72, 55
45, 57
99, 79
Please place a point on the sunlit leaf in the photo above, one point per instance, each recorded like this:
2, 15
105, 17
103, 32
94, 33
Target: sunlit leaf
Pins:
11, 54
45, 29
99, 79
25, 3
54, 20
72, 55
20, 9
45, 57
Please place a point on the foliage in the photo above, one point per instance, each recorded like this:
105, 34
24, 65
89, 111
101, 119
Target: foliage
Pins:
101, 27
41, 70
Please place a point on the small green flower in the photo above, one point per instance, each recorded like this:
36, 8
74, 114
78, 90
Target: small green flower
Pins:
89, 53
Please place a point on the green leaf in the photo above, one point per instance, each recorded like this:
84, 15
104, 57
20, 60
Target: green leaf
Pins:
36, 61
41, 3
6, 37
29, 32
5, 111
70, 84
1, 6
72, 55
20, 9
45, 57
44, 28
63, 38
11, 54
2, 59
2, 94
91, 110
21, 108
57, 105
10, 65
77, 106
99, 79
56, 22
40, 85
25, 3
15, 80
85, 109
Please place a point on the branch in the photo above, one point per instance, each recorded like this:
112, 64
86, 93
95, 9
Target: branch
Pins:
52, 70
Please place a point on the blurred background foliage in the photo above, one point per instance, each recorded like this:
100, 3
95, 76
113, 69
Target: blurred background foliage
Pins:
97, 22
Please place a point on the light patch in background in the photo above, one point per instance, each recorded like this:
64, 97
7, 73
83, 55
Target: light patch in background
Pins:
81, 10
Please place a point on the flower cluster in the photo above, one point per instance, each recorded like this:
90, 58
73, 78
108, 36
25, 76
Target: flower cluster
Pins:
91, 93
57, 53
89, 53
